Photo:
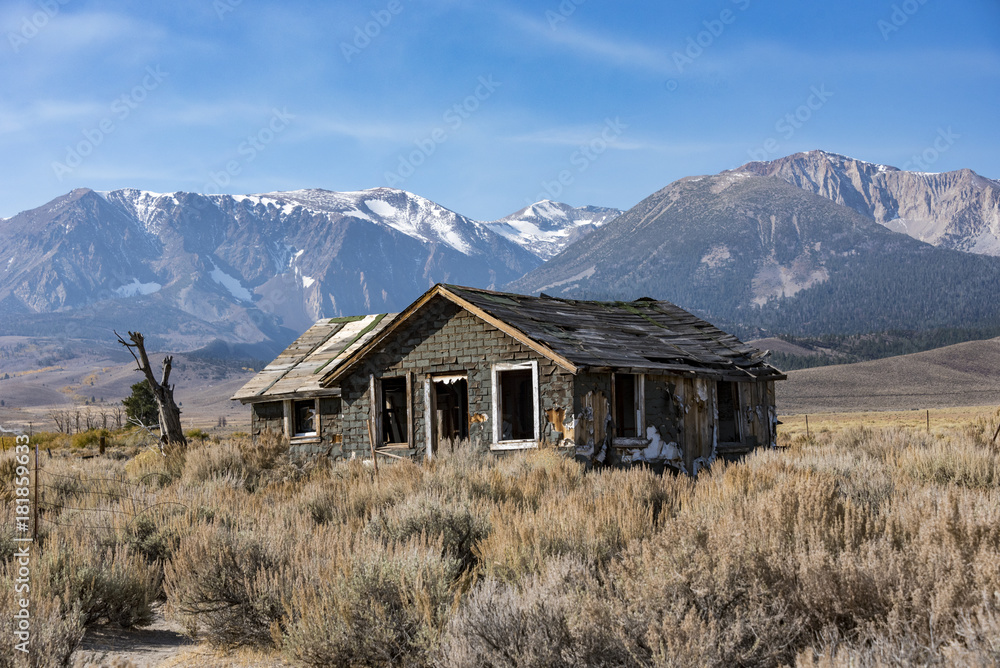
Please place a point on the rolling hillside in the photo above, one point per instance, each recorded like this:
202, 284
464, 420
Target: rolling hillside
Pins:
965, 374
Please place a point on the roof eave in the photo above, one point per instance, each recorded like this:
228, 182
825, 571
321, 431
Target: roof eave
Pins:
441, 290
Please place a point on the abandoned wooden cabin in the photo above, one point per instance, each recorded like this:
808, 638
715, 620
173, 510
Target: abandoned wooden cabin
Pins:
612, 382
286, 398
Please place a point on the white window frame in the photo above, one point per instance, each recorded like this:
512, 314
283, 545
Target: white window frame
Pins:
523, 444
290, 421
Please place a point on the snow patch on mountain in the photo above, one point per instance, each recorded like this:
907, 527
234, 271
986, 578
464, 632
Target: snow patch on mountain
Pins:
546, 227
230, 283
136, 288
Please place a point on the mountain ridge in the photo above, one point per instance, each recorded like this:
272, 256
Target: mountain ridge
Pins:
959, 209
244, 268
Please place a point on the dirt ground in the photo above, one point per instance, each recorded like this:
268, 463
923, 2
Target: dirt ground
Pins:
160, 645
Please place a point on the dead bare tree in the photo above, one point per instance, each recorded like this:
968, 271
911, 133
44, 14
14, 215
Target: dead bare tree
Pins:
119, 414
59, 417
163, 392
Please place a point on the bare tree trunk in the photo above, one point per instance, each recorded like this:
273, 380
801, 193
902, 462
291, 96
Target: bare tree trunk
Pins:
163, 392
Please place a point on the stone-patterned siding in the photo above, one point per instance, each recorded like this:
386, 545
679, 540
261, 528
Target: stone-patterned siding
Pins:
270, 416
267, 416
445, 339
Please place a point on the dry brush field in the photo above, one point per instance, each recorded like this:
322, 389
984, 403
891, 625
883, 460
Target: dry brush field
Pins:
857, 546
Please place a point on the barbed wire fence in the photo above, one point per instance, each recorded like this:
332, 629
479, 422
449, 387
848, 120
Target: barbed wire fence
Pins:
75, 499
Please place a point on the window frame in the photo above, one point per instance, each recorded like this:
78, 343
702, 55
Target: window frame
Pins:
289, 411
516, 444
379, 430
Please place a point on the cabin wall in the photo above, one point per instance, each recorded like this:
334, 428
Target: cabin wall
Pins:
444, 339
758, 413
267, 416
684, 412
592, 410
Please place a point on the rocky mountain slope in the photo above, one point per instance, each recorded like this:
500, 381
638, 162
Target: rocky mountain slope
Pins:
240, 268
959, 210
545, 228
757, 254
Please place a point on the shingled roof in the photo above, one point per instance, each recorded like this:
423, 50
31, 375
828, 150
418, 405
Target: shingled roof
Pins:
642, 336
296, 372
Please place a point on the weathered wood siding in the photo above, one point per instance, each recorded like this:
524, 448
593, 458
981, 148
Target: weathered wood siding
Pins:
757, 413
591, 406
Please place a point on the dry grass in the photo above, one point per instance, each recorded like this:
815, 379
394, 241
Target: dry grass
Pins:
861, 545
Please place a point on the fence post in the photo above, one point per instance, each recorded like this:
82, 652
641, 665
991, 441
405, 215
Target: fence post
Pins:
807, 427
928, 420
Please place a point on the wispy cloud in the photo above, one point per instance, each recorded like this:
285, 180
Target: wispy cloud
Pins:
576, 135
607, 48
46, 112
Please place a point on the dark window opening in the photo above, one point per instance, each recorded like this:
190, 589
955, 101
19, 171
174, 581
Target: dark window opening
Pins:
451, 402
625, 416
729, 401
394, 410
304, 416
517, 421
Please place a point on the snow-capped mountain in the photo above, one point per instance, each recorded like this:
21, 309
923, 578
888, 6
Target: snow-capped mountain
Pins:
545, 228
240, 267
959, 209
757, 254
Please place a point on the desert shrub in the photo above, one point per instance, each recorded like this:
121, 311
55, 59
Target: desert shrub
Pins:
265, 452
156, 468
56, 629
88, 438
247, 464
594, 521
145, 536
459, 528
368, 604
225, 585
956, 461
980, 430
110, 585
561, 617
347, 494
196, 434
49, 439
204, 463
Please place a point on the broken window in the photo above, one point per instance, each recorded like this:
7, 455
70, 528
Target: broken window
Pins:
393, 405
304, 418
729, 401
451, 407
447, 402
515, 404
626, 405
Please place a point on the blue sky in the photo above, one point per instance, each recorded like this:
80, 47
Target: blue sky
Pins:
483, 107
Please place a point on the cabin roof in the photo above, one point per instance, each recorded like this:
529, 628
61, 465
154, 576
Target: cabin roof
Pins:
297, 371
641, 336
